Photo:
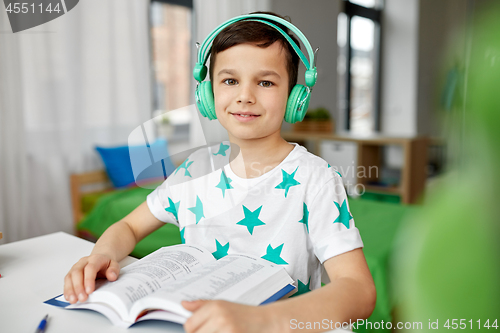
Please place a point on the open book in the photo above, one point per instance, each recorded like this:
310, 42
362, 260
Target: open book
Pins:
154, 286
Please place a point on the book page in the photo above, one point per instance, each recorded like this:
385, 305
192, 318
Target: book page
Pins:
149, 274
227, 279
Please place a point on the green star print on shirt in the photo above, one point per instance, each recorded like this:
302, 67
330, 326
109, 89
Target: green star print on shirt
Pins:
185, 165
198, 210
224, 184
222, 149
344, 215
287, 181
303, 288
274, 255
183, 240
221, 250
305, 217
338, 173
251, 219
173, 207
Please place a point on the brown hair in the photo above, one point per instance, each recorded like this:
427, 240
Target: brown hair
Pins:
260, 34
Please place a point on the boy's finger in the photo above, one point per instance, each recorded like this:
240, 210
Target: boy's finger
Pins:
80, 265
90, 274
193, 305
77, 280
199, 318
69, 292
113, 271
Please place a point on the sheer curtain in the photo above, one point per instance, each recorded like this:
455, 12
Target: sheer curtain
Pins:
208, 15
77, 81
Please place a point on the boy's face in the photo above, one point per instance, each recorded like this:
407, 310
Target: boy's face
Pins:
252, 80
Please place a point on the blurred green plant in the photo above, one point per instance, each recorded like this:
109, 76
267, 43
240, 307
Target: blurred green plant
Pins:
446, 263
162, 117
319, 114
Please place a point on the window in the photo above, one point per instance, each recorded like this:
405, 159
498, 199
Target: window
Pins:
358, 65
171, 47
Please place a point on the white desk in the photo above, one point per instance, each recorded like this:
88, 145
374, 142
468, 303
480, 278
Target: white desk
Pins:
33, 271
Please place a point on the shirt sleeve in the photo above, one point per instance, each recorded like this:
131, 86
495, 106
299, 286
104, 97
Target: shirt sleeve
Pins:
161, 204
331, 225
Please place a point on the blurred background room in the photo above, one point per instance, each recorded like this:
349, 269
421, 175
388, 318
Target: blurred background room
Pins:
392, 111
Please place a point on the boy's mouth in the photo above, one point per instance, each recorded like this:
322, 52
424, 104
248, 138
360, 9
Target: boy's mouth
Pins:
244, 116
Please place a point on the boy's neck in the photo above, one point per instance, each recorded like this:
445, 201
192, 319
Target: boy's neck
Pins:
258, 156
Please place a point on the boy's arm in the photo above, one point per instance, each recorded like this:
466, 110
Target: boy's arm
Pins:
350, 295
114, 245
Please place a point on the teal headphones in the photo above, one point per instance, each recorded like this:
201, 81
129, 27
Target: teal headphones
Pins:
298, 101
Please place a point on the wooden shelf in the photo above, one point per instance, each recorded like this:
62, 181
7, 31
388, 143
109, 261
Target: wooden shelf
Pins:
370, 148
369, 139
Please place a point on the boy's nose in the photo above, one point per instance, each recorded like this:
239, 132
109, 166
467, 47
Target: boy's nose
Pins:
246, 95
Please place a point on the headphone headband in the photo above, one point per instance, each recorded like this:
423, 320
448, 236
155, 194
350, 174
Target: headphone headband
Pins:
205, 48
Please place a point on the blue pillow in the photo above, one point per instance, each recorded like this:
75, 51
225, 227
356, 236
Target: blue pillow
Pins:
136, 165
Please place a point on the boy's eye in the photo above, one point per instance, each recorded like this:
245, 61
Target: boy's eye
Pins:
230, 82
266, 84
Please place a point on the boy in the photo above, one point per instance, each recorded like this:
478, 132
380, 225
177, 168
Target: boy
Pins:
272, 199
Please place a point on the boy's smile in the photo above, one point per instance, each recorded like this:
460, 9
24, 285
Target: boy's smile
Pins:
251, 90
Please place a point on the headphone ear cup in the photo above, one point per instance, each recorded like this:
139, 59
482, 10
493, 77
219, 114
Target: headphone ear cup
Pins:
292, 113
205, 98
199, 103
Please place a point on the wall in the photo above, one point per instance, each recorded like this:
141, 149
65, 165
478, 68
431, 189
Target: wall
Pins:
317, 19
442, 45
399, 67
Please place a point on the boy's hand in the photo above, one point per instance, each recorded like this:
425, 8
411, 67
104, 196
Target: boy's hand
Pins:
80, 280
227, 317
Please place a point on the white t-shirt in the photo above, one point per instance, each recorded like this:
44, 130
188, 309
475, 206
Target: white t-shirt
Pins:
295, 215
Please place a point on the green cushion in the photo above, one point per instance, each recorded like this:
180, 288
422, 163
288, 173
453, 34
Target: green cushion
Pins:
378, 223
381, 197
89, 201
113, 206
